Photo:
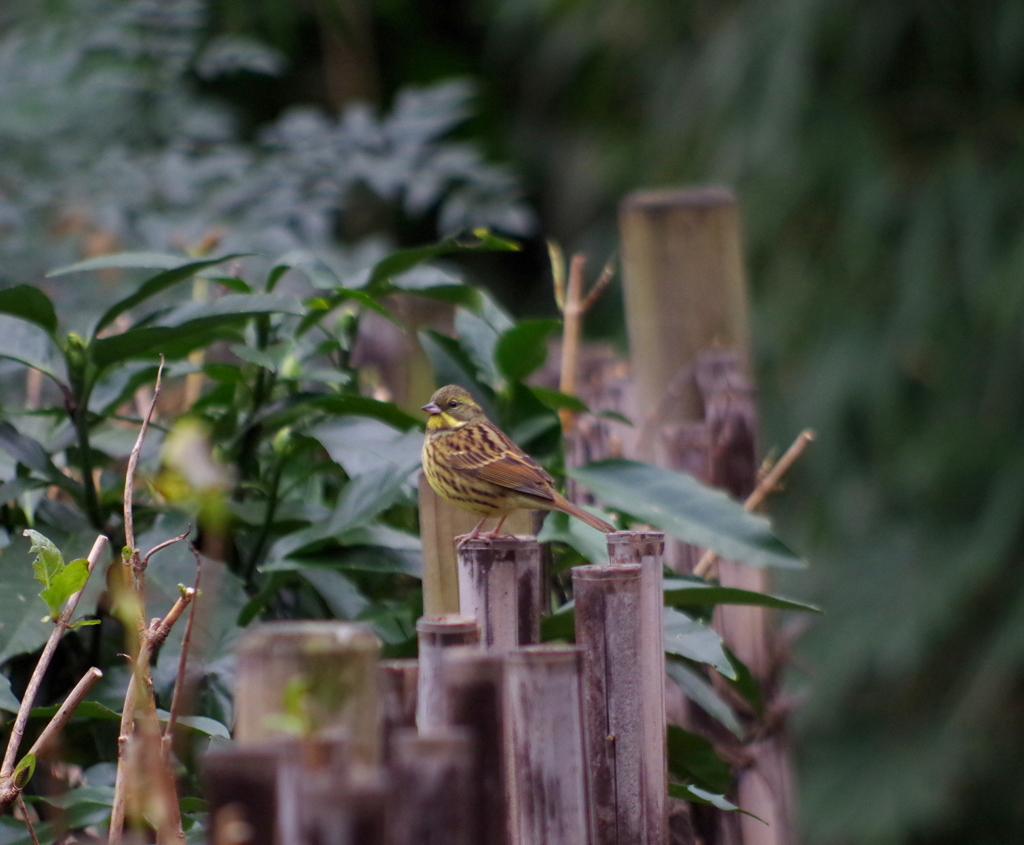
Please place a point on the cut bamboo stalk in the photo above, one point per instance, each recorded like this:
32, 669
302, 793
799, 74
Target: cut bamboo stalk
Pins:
437, 634
475, 685
647, 548
609, 607
500, 585
432, 776
328, 670
398, 681
684, 290
549, 786
440, 523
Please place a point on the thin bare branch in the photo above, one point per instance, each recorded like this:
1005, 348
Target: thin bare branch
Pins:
161, 546
607, 274
28, 699
133, 460
158, 632
179, 680
27, 820
765, 487
557, 259
66, 710
572, 312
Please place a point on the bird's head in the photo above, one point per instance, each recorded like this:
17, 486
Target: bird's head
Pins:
452, 407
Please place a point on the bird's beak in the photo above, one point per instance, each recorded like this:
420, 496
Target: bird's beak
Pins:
431, 408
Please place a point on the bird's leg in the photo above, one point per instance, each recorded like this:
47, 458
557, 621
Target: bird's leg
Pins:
472, 535
490, 535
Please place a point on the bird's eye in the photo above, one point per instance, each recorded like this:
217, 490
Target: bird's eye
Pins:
453, 404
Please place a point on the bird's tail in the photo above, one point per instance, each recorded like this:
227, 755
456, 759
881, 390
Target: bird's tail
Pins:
563, 504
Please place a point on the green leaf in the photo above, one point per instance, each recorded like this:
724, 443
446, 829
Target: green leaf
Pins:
589, 542
556, 400
47, 566
701, 693
680, 592
452, 364
123, 261
171, 341
300, 405
405, 259
85, 710
23, 772
692, 758
30, 452
560, 625
8, 700
28, 302
688, 638
745, 683
33, 346
200, 724
173, 273
523, 348
231, 305
68, 581
680, 505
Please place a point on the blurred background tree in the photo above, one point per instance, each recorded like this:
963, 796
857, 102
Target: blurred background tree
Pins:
876, 150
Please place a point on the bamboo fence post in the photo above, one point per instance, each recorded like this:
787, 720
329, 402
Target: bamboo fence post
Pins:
609, 607
432, 775
398, 680
646, 548
685, 298
440, 523
475, 685
437, 634
500, 584
330, 668
549, 787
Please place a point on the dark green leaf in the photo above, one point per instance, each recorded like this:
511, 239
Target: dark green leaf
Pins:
30, 452
556, 400
688, 638
685, 593
405, 259
123, 261
33, 346
693, 758
560, 625
29, 303
170, 341
680, 505
745, 683
451, 363
341, 404
523, 348
701, 693
173, 273
8, 700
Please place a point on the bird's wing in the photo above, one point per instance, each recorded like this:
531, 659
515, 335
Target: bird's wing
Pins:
487, 454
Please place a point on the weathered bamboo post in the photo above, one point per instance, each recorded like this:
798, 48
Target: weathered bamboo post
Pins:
475, 684
432, 779
440, 523
398, 680
646, 549
329, 667
685, 294
549, 785
500, 584
437, 634
608, 612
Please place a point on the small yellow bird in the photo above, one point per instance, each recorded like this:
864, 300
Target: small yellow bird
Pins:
470, 462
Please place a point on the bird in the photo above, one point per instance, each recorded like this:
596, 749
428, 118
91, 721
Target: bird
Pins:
473, 464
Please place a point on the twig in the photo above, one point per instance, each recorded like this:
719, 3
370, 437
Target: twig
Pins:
28, 821
66, 710
179, 681
133, 460
161, 546
764, 488
28, 699
159, 631
573, 305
